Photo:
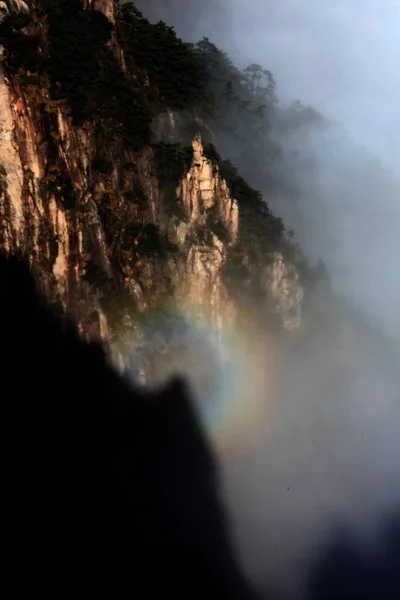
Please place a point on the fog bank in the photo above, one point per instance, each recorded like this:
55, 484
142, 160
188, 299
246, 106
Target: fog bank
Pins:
330, 452
343, 59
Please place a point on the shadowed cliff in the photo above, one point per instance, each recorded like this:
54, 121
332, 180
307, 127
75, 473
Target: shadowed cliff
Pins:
106, 485
110, 489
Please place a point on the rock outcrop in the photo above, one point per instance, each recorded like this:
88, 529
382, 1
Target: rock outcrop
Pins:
105, 235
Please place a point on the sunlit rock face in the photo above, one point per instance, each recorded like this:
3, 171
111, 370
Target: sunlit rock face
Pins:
32, 219
202, 190
55, 207
11, 175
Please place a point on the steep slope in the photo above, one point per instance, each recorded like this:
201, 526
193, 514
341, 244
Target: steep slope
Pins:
137, 227
113, 225
335, 195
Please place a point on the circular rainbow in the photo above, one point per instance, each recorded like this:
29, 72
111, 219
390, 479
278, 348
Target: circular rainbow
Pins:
230, 374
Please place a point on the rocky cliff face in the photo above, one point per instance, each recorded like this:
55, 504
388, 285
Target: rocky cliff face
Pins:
108, 231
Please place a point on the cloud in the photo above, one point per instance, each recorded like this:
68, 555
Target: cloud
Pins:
331, 449
339, 56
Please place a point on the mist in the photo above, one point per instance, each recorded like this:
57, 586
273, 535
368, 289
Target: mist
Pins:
329, 458
342, 58
329, 454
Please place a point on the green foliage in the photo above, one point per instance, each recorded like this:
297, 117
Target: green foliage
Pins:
77, 39
71, 48
171, 161
84, 72
20, 43
222, 233
3, 180
177, 79
129, 196
102, 164
146, 241
223, 77
234, 92
212, 154
29, 79
261, 83
298, 116
94, 317
171, 203
235, 269
122, 105
245, 105
169, 247
202, 235
244, 108
58, 183
5, 201
94, 275
116, 305
136, 195
244, 194
111, 221
57, 309
213, 224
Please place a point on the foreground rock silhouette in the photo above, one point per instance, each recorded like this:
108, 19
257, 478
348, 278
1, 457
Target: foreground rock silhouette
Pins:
109, 490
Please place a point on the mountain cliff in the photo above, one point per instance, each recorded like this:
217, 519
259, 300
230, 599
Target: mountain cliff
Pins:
118, 213
115, 183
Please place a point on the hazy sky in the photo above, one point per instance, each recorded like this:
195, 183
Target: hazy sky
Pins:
331, 448
341, 56
344, 58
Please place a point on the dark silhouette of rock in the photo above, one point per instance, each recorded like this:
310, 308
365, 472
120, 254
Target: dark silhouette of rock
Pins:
111, 490
108, 489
